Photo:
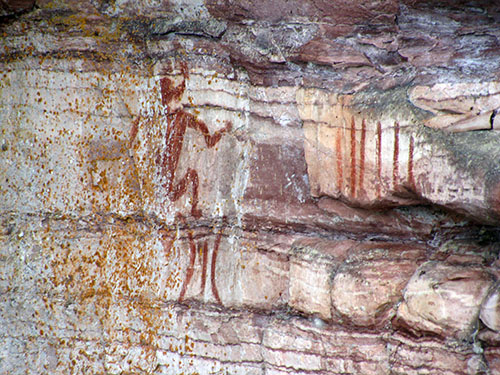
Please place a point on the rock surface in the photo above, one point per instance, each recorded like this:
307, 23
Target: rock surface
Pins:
364, 150
444, 299
262, 187
490, 310
366, 289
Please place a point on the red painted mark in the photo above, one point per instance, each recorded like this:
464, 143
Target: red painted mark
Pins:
169, 160
170, 93
190, 270
204, 250
167, 241
338, 149
133, 131
379, 157
192, 259
411, 177
395, 160
178, 122
212, 268
362, 154
353, 158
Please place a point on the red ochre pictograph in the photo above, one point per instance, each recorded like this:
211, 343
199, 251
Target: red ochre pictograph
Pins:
202, 249
178, 121
351, 142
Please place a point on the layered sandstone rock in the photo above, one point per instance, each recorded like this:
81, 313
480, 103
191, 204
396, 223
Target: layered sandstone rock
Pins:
269, 187
443, 299
366, 150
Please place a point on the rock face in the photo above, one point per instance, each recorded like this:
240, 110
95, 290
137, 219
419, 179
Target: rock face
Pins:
262, 187
442, 299
364, 150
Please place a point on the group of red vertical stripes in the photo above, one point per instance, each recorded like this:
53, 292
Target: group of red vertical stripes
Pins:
357, 175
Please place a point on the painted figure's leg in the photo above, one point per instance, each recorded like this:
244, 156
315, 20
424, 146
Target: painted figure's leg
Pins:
180, 188
215, 292
204, 251
190, 270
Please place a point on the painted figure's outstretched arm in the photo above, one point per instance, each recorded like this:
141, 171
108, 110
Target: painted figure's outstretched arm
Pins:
210, 139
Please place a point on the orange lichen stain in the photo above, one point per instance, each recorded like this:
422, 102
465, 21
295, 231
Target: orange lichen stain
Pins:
113, 263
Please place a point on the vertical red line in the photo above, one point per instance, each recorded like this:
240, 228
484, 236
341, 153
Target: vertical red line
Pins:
215, 292
362, 154
340, 172
204, 250
411, 177
379, 157
395, 159
353, 158
133, 131
190, 269
167, 243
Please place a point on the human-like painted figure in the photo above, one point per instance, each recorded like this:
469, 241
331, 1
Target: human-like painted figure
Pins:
178, 121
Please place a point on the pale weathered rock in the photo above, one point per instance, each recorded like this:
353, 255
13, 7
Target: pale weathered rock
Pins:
358, 283
444, 299
366, 289
312, 264
429, 356
473, 106
467, 253
491, 338
460, 123
395, 222
325, 52
492, 356
490, 310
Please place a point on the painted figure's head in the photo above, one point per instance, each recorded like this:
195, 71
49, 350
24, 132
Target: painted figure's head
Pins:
171, 95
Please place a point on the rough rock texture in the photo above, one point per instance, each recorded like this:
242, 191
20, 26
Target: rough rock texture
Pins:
490, 311
259, 187
442, 299
363, 149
